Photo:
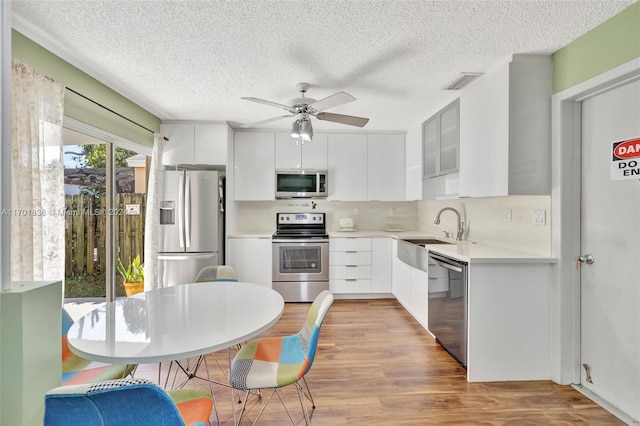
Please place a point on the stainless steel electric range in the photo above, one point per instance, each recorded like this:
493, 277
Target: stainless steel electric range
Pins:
300, 256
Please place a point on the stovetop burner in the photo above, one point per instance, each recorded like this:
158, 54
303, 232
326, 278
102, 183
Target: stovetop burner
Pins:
300, 225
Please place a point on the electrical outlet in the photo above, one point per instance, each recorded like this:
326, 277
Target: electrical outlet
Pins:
356, 211
507, 216
539, 217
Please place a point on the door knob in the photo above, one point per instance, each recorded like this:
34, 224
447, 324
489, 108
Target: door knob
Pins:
587, 258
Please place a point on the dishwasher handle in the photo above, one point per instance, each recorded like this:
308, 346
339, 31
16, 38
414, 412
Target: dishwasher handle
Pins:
447, 266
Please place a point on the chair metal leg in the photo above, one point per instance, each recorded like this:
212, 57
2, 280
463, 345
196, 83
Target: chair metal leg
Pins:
308, 394
303, 404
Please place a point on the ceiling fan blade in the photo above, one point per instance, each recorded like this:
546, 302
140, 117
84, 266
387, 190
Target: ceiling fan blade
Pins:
269, 120
332, 101
343, 119
275, 104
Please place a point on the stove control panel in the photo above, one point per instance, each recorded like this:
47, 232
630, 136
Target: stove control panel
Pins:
300, 218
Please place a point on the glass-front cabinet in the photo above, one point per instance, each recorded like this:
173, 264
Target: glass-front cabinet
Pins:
441, 141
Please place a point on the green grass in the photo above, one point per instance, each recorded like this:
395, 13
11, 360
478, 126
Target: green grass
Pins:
90, 286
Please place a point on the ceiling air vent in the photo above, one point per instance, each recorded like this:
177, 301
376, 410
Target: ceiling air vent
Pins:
464, 79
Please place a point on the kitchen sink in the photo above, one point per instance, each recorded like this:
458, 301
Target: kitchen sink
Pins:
424, 241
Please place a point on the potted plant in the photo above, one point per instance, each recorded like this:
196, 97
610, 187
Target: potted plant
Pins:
133, 276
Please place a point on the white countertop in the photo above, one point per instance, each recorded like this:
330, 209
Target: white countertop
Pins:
463, 250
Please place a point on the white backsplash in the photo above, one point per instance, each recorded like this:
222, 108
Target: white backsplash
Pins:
486, 221
373, 215
485, 218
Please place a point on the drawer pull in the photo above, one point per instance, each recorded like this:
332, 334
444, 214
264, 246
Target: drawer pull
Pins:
351, 266
351, 279
351, 251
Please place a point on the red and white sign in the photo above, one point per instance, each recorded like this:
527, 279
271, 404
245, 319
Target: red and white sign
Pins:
625, 162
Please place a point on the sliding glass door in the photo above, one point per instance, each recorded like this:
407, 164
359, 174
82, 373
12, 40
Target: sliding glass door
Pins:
105, 189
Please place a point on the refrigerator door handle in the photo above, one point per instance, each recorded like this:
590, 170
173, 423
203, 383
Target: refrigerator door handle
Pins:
181, 210
187, 213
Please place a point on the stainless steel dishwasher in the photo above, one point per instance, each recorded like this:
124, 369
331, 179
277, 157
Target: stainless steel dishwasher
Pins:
447, 304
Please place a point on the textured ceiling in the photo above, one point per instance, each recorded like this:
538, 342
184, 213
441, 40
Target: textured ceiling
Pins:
193, 60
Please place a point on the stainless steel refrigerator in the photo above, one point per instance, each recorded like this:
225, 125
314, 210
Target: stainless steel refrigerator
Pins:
191, 224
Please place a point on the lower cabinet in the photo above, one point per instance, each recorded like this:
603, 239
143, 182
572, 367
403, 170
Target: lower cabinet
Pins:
401, 279
410, 287
419, 282
350, 265
360, 265
251, 259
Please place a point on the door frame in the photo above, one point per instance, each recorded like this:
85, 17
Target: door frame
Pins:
112, 142
565, 215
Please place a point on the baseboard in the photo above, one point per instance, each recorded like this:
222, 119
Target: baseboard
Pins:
606, 405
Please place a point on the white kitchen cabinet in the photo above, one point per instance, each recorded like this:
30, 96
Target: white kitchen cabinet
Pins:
251, 259
401, 279
179, 148
350, 265
254, 166
298, 155
419, 282
441, 137
385, 167
347, 167
509, 322
195, 143
505, 130
381, 265
210, 144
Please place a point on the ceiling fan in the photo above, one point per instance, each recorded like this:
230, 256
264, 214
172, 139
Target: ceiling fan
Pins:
305, 107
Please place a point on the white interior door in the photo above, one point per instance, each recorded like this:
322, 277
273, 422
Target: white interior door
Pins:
610, 232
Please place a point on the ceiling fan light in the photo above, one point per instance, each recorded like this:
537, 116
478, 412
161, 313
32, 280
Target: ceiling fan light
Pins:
295, 129
306, 131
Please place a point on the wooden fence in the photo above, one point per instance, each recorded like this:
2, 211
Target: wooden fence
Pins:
85, 236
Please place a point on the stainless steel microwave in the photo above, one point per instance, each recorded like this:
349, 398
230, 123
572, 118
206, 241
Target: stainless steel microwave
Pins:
301, 184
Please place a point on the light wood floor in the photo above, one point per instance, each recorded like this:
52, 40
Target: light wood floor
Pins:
376, 366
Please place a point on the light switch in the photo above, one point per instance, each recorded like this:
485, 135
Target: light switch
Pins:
507, 216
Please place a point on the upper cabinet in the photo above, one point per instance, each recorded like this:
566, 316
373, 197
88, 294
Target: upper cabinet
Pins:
385, 167
360, 167
505, 130
195, 143
440, 143
347, 166
254, 167
299, 155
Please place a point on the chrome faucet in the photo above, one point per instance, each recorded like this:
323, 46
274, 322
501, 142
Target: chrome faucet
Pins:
460, 223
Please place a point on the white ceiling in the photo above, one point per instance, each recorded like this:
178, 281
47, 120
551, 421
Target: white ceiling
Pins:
193, 60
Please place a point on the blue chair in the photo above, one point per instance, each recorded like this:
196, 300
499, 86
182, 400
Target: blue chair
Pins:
276, 362
126, 402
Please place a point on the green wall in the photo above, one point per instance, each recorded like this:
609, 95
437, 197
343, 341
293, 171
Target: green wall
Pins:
610, 44
80, 109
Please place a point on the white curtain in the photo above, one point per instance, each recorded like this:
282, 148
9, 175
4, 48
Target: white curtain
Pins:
37, 176
152, 217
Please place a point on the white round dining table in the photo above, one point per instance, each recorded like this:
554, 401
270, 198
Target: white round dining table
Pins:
175, 322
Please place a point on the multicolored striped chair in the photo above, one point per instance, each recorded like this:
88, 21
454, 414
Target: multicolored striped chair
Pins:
77, 370
126, 402
216, 273
190, 367
275, 362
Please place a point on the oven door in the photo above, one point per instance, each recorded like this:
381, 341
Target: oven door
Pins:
300, 260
